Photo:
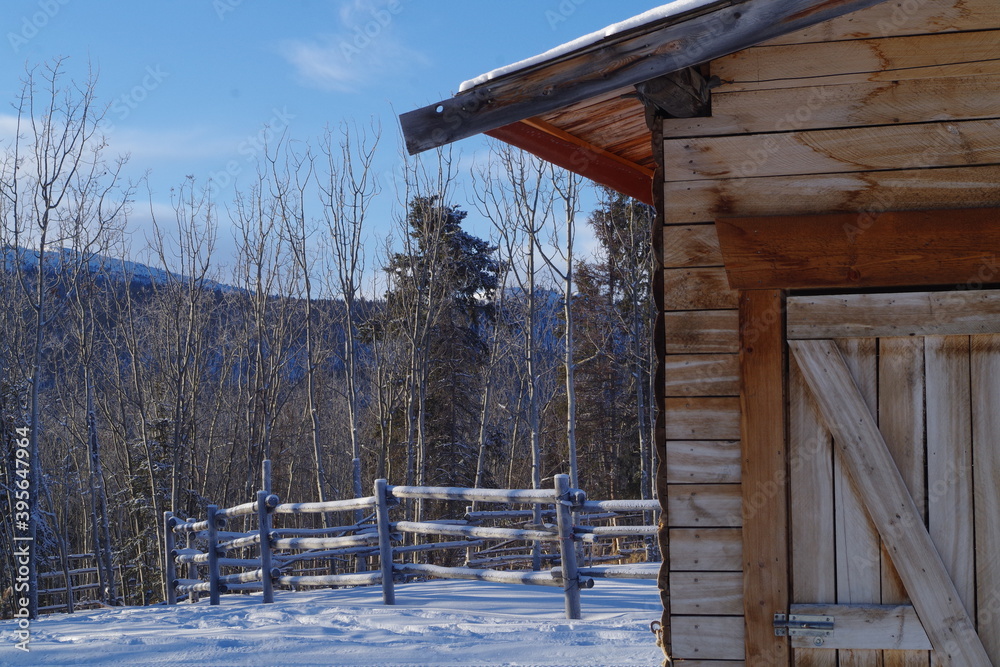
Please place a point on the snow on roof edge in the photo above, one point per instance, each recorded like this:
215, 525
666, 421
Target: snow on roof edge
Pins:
653, 15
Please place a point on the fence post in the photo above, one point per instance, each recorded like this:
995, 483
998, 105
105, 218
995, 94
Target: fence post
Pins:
192, 568
213, 556
384, 541
170, 567
567, 547
265, 475
264, 520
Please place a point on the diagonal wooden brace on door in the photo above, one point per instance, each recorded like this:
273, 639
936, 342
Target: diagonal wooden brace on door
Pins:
889, 504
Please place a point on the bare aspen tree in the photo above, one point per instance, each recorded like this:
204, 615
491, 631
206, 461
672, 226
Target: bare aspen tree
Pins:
185, 256
265, 270
347, 188
289, 181
514, 195
421, 295
566, 186
58, 190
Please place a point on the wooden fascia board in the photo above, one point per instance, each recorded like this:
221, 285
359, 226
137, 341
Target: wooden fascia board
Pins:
570, 152
862, 250
709, 32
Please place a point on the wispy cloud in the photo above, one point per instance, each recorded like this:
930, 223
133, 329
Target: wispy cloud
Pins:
365, 48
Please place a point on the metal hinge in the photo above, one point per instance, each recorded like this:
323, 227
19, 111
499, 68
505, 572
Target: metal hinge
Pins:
800, 625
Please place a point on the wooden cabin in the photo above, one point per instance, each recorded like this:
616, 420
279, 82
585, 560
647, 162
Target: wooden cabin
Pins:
826, 175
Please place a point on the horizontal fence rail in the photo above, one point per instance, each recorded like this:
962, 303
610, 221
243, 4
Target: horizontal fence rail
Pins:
294, 557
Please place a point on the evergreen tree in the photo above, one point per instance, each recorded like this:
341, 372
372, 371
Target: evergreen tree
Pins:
447, 279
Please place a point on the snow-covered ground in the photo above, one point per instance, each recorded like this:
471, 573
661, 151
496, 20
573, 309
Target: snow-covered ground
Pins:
433, 623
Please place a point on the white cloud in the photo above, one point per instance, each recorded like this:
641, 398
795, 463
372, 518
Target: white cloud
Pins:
8, 127
166, 144
365, 48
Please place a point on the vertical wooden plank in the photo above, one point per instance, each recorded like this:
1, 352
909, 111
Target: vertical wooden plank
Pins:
949, 462
901, 421
858, 551
985, 365
764, 474
810, 451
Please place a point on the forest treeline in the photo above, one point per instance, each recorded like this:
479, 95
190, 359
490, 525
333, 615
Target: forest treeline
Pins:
142, 388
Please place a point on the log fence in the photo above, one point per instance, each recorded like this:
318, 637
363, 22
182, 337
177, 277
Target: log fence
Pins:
266, 557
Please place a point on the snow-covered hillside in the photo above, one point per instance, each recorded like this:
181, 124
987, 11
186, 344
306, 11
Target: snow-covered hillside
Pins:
434, 623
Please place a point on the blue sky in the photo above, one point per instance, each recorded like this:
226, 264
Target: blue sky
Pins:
194, 85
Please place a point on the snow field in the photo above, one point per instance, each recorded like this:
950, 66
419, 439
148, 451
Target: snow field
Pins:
434, 623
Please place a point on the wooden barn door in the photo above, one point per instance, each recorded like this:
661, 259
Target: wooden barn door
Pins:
894, 480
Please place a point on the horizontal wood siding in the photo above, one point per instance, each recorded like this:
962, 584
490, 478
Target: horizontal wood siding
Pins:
703, 462
704, 332
895, 121
707, 593
706, 550
708, 637
704, 505
901, 17
702, 375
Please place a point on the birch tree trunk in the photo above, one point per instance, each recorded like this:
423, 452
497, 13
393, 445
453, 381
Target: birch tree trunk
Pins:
57, 190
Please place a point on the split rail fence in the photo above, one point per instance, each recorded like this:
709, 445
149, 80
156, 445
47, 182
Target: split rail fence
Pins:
368, 537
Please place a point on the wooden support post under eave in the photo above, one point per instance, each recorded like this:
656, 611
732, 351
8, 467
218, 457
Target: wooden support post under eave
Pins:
765, 478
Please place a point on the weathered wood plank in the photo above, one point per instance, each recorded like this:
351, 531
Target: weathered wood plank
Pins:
707, 637
825, 105
903, 314
864, 193
985, 376
949, 461
702, 418
858, 553
901, 17
690, 246
893, 248
889, 504
764, 485
702, 375
811, 507
960, 69
706, 549
704, 505
697, 289
901, 421
702, 332
706, 593
889, 627
798, 61
703, 462
925, 145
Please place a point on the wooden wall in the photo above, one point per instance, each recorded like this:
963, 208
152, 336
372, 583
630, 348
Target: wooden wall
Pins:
893, 108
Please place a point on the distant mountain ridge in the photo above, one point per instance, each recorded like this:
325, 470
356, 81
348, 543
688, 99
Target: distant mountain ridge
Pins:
114, 268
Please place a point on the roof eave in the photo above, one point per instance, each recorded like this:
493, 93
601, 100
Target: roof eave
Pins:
685, 40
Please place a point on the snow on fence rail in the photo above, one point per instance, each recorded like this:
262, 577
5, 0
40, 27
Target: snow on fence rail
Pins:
364, 539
